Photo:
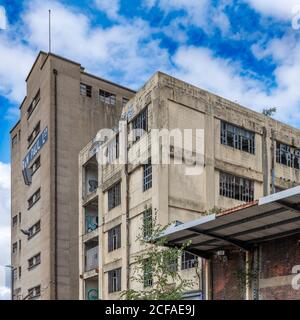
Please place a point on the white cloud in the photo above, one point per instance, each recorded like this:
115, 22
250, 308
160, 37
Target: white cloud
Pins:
4, 293
3, 18
110, 7
277, 8
202, 68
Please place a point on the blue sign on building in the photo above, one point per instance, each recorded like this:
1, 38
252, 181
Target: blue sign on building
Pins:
41, 140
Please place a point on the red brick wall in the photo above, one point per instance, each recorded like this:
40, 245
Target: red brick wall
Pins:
277, 259
226, 277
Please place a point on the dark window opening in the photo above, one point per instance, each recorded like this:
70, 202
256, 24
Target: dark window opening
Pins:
287, 155
114, 196
35, 132
34, 198
114, 280
107, 97
33, 104
114, 238
140, 125
85, 90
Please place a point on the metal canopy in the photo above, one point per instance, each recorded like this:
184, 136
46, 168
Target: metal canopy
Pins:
272, 217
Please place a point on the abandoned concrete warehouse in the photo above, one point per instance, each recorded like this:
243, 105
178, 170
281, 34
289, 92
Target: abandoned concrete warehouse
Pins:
246, 156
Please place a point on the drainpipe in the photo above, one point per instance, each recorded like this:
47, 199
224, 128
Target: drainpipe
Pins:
55, 183
127, 229
273, 161
265, 164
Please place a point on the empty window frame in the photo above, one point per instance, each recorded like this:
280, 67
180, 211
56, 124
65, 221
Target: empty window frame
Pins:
148, 273
287, 155
188, 260
34, 198
113, 149
237, 137
114, 280
140, 124
35, 166
34, 292
114, 196
114, 238
33, 230
15, 221
85, 90
107, 97
34, 261
147, 176
147, 223
35, 132
238, 188
34, 103
15, 247
124, 101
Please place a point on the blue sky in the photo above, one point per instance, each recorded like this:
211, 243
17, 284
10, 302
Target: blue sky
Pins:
245, 50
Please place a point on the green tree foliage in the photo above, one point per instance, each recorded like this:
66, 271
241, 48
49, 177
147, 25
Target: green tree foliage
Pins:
269, 112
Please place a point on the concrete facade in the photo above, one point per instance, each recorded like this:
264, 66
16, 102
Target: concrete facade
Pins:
174, 196
64, 100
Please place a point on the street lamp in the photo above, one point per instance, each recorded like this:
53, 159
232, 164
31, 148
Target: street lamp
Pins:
11, 279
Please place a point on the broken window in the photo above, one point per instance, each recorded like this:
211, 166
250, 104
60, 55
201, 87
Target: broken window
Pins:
34, 167
34, 261
107, 97
35, 132
140, 125
34, 292
238, 188
287, 155
34, 198
32, 231
33, 104
188, 260
114, 196
147, 176
85, 90
114, 238
114, 280
237, 138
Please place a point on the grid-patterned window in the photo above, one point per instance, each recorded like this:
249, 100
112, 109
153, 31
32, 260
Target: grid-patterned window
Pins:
114, 196
34, 198
35, 166
147, 223
107, 97
114, 238
35, 132
32, 231
113, 149
34, 261
85, 90
147, 176
15, 221
140, 124
34, 103
114, 280
171, 263
148, 273
124, 101
237, 138
34, 292
238, 188
188, 260
287, 155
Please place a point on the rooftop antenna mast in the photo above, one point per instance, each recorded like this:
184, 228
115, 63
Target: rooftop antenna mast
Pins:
49, 31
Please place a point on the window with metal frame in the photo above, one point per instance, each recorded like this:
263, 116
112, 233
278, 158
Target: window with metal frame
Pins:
188, 260
33, 104
140, 124
34, 292
114, 238
147, 176
15, 247
114, 196
287, 155
171, 263
147, 223
32, 231
237, 137
85, 90
148, 273
34, 198
35, 132
34, 261
36, 165
235, 187
15, 221
114, 280
107, 97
